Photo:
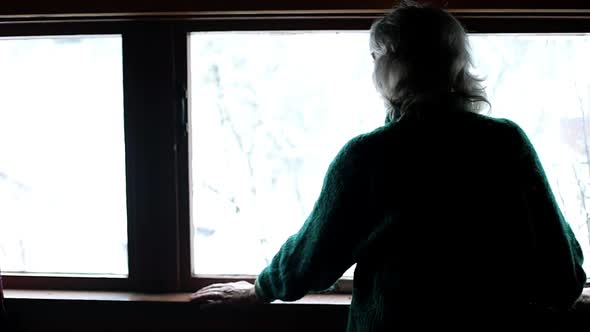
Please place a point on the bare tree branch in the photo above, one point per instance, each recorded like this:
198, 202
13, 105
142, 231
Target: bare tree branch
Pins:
581, 185
559, 191
585, 132
225, 118
582, 193
230, 199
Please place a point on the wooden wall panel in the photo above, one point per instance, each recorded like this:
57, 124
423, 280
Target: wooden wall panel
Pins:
61, 8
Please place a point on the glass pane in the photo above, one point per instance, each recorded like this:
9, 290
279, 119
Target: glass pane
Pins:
262, 102
62, 156
261, 105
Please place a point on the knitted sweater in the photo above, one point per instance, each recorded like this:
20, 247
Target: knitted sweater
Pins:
434, 209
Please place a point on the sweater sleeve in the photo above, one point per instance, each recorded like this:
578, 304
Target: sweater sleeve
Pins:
324, 248
558, 277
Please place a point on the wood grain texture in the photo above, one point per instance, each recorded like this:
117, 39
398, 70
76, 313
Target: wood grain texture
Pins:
24, 8
48, 295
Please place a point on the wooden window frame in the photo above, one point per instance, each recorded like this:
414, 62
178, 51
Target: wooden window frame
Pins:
474, 23
151, 126
68, 9
57, 281
157, 139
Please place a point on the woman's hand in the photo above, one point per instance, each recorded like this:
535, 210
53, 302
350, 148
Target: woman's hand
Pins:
240, 292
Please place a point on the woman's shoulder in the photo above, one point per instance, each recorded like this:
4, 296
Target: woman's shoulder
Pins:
366, 148
490, 121
483, 126
369, 139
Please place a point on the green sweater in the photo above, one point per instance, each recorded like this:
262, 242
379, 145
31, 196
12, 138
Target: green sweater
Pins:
438, 205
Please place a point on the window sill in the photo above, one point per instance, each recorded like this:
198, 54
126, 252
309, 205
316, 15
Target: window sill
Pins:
59, 295
319, 299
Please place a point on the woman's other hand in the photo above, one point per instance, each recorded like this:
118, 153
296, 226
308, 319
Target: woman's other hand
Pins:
241, 292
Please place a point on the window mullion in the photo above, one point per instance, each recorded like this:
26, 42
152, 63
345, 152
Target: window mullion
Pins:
151, 136
181, 55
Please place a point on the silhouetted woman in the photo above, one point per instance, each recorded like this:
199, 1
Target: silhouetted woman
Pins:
447, 213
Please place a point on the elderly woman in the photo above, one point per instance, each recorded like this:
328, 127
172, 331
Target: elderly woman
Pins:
437, 207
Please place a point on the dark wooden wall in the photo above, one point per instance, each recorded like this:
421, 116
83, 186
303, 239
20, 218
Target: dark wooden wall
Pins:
94, 316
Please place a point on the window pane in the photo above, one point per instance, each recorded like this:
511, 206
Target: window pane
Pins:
62, 156
271, 110
269, 113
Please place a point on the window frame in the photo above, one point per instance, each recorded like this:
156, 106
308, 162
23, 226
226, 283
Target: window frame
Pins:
68, 9
150, 127
59, 281
156, 112
477, 23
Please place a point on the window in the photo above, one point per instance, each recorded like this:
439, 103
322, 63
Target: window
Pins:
94, 152
62, 156
271, 109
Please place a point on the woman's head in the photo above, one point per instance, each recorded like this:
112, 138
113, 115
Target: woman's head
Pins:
421, 53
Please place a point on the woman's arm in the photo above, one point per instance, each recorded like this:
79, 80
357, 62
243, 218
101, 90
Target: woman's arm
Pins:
558, 276
324, 248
